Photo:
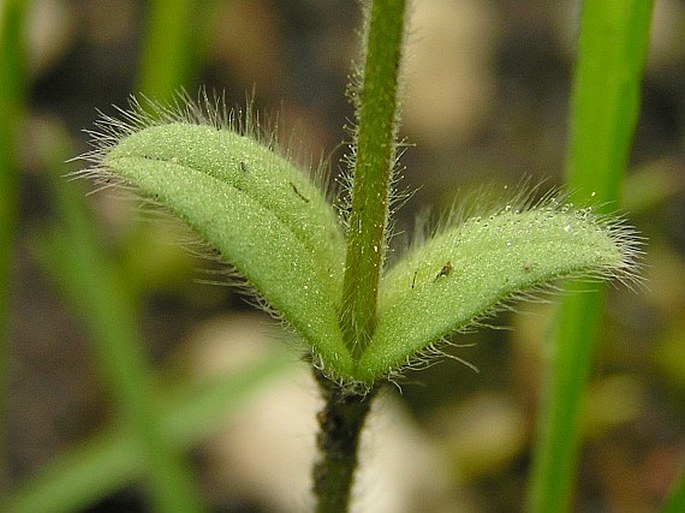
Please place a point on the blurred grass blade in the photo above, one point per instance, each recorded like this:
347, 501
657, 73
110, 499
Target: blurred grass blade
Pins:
174, 41
613, 42
606, 96
12, 92
88, 473
675, 503
110, 461
72, 254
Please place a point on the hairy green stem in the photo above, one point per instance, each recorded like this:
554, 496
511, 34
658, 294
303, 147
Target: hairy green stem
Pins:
343, 416
340, 425
375, 151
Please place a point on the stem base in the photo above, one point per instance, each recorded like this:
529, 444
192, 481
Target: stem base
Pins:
340, 425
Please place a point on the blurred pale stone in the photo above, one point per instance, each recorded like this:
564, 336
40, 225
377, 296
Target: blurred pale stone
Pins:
266, 454
450, 78
484, 434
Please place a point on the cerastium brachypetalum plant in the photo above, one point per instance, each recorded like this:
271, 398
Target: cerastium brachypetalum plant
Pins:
321, 270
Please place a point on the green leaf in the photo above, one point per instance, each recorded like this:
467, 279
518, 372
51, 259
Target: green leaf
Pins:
261, 213
463, 274
267, 218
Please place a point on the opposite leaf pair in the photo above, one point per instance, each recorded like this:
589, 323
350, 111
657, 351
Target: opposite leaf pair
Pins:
268, 220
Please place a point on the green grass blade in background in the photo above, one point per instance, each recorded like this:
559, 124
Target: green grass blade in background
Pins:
95, 291
90, 282
676, 499
606, 96
101, 466
613, 41
12, 92
174, 41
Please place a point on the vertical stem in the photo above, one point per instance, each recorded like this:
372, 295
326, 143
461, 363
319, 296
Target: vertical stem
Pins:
340, 425
375, 152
